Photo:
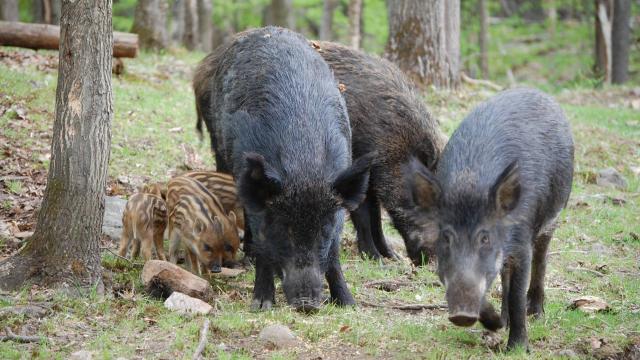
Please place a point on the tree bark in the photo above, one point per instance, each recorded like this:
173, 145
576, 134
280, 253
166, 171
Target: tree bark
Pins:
177, 21
326, 27
205, 25
280, 13
424, 40
65, 246
150, 23
190, 38
37, 11
355, 16
603, 15
620, 41
42, 36
55, 12
9, 10
483, 38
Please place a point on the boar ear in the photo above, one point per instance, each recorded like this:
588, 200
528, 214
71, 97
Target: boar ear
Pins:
259, 182
232, 218
198, 226
505, 193
352, 184
423, 187
218, 227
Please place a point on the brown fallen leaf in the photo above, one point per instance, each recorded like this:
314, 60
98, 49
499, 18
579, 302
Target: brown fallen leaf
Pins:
345, 328
342, 87
589, 304
228, 272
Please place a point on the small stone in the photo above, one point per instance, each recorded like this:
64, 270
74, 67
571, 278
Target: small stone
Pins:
610, 177
23, 234
82, 355
568, 353
185, 304
228, 272
278, 335
589, 304
112, 220
161, 278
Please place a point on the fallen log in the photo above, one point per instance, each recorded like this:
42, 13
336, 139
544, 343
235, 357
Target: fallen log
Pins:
44, 36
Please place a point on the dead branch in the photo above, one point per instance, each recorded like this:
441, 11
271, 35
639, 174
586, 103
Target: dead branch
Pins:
406, 307
485, 83
10, 336
122, 257
568, 252
203, 339
576, 269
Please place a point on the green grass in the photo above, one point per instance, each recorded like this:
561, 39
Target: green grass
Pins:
154, 96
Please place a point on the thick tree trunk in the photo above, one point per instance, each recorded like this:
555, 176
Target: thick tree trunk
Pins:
150, 23
205, 25
9, 10
603, 15
620, 41
65, 246
177, 21
355, 16
483, 38
190, 38
326, 27
423, 42
42, 36
55, 12
37, 11
280, 13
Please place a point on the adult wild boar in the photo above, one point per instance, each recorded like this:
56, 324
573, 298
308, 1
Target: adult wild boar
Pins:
279, 123
500, 184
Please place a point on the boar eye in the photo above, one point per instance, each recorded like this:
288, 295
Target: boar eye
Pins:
447, 235
484, 239
206, 247
228, 248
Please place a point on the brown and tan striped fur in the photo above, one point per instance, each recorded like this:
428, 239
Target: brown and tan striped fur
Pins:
224, 187
197, 220
158, 189
144, 221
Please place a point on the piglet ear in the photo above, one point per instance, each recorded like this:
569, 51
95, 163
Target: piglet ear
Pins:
351, 185
259, 182
423, 188
232, 218
505, 193
218, 226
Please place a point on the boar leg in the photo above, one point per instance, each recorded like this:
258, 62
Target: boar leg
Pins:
521, 270
264, 291
361, 218
376, 228
535, 296
158, 240
340, 293
506, 284
135, 247
146, 240
125, 239
194, 263
174, 245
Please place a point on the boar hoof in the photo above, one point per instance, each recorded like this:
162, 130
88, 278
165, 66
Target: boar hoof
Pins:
535, 310
261, 305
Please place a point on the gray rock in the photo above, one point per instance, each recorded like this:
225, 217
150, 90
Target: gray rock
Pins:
31, 311
610, 177
185, 304
278, 335
568, 353
112, 221
82, 355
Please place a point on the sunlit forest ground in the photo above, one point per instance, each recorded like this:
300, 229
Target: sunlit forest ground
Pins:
595, 252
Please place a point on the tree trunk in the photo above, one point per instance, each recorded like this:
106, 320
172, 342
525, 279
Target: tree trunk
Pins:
55, 12
552, 15
177, 21
9, 10
150, 23
355, 16
281, 14
423, 42
205, 25
603, 14
65, 246
190, 37
37, 11
620, 41
326, 27
483, 38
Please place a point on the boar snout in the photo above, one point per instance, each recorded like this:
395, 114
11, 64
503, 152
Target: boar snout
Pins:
465, 296
303, 289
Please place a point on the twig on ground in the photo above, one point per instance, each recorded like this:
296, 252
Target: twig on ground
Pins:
10, 336
406, 307
485, 83
122, 257
576, 269
568, 251
203, 339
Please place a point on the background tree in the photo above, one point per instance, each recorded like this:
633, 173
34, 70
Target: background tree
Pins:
424, 40
355, 18
150, 23
620, 41
280, 13
65, 244
9, 10
483, 37
205, 25
177, 21
603, 15
326, 27
191, 36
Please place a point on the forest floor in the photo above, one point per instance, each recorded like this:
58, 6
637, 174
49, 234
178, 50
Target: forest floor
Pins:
595, 251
